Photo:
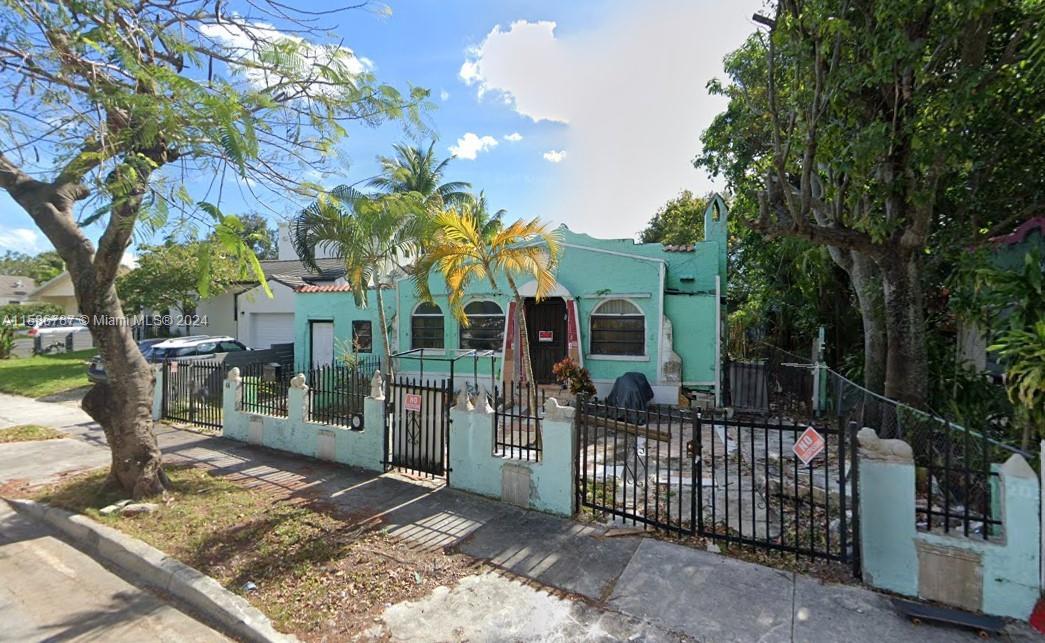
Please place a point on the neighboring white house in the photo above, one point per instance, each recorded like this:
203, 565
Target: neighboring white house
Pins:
248, 314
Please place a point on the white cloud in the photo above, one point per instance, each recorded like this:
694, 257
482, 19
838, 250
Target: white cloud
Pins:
469, 145
247, 40
631, 90
555, 156
24, 240
514, 137
498, 65
444, 95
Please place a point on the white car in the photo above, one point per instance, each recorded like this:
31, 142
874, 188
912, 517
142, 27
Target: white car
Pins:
195, 346
58, 327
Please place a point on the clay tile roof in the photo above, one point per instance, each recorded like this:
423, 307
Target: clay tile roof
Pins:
683, 248
325, 288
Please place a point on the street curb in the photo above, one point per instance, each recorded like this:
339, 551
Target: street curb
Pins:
230, 612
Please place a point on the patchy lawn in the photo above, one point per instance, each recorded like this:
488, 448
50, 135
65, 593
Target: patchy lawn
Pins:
317, 575
43, 375
29, 432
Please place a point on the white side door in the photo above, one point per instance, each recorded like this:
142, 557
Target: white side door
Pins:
322, 342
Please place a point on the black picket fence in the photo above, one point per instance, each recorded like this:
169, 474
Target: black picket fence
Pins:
336, 392
265, 389
518, 414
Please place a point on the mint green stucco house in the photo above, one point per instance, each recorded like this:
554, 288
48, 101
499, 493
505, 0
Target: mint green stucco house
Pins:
618, 306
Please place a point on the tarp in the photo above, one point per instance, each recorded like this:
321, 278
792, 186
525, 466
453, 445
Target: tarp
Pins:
631, 391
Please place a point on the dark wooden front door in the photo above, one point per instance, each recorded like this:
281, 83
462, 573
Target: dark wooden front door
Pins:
546, 323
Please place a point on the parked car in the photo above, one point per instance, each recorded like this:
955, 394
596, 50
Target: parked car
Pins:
57, 327
195, 346
96, 367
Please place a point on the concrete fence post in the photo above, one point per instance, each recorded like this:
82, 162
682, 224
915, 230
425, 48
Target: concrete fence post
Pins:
557, 474
1011, 570
297, 400
370, 451
157, 392
887, 524
234, 422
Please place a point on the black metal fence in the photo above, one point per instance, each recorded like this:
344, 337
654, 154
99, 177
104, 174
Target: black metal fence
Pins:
518, 413
957, 489
733, 481
192, 392
776, 382
336, 392
265, 389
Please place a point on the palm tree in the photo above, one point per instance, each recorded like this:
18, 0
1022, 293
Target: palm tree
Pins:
369, 233
415, 169
461, 253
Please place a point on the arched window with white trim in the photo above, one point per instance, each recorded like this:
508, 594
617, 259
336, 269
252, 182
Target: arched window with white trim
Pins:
485, 330
426, 326
618, 327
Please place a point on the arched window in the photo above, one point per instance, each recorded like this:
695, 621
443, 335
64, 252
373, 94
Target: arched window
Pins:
618, 327
426, 326
485, 329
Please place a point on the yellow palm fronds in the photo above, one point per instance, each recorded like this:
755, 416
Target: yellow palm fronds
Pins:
459, 251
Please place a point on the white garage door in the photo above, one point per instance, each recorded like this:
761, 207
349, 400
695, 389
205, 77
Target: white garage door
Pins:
267, 329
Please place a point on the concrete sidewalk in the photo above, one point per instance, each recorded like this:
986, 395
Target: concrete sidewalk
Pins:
670, 588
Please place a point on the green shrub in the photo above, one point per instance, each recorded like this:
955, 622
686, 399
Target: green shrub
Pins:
17, 314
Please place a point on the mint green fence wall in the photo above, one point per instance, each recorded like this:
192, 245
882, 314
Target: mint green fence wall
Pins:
999, 576
545, 486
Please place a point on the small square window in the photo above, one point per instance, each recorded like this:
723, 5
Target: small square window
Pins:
363, 336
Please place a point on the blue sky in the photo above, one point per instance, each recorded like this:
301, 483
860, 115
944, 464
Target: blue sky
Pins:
607, 99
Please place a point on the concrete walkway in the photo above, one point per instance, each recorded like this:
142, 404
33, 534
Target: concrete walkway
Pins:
672, 590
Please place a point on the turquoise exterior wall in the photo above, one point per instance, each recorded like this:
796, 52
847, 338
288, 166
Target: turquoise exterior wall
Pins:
1009, 560
339, 307
678, 285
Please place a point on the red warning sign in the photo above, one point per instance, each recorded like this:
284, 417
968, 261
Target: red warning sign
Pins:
412, 402
809, 445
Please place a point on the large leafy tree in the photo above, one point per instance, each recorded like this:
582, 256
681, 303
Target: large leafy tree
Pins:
40, 267
679, 221
858, 126
168, 276
123, 116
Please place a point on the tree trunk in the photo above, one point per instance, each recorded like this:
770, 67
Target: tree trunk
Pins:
384, 333
866, 280
524, 342
907, 362
123, 407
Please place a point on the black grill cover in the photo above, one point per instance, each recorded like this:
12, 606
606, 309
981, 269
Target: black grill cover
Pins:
631, 391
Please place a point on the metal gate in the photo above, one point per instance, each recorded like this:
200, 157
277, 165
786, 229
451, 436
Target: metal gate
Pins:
726, 480
417, 421
192, 392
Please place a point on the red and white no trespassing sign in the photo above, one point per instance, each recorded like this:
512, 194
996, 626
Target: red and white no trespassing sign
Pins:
412, 402
809, 445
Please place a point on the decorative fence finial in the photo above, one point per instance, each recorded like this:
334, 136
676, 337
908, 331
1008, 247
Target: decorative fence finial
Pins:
298, 381
463, 403
883, 449
234, 375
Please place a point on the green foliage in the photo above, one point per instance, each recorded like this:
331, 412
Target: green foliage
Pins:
222, 96
679, 221
1023, 350
21, 313
7, 340
40, 268
168, 276
259, 236
416, 169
